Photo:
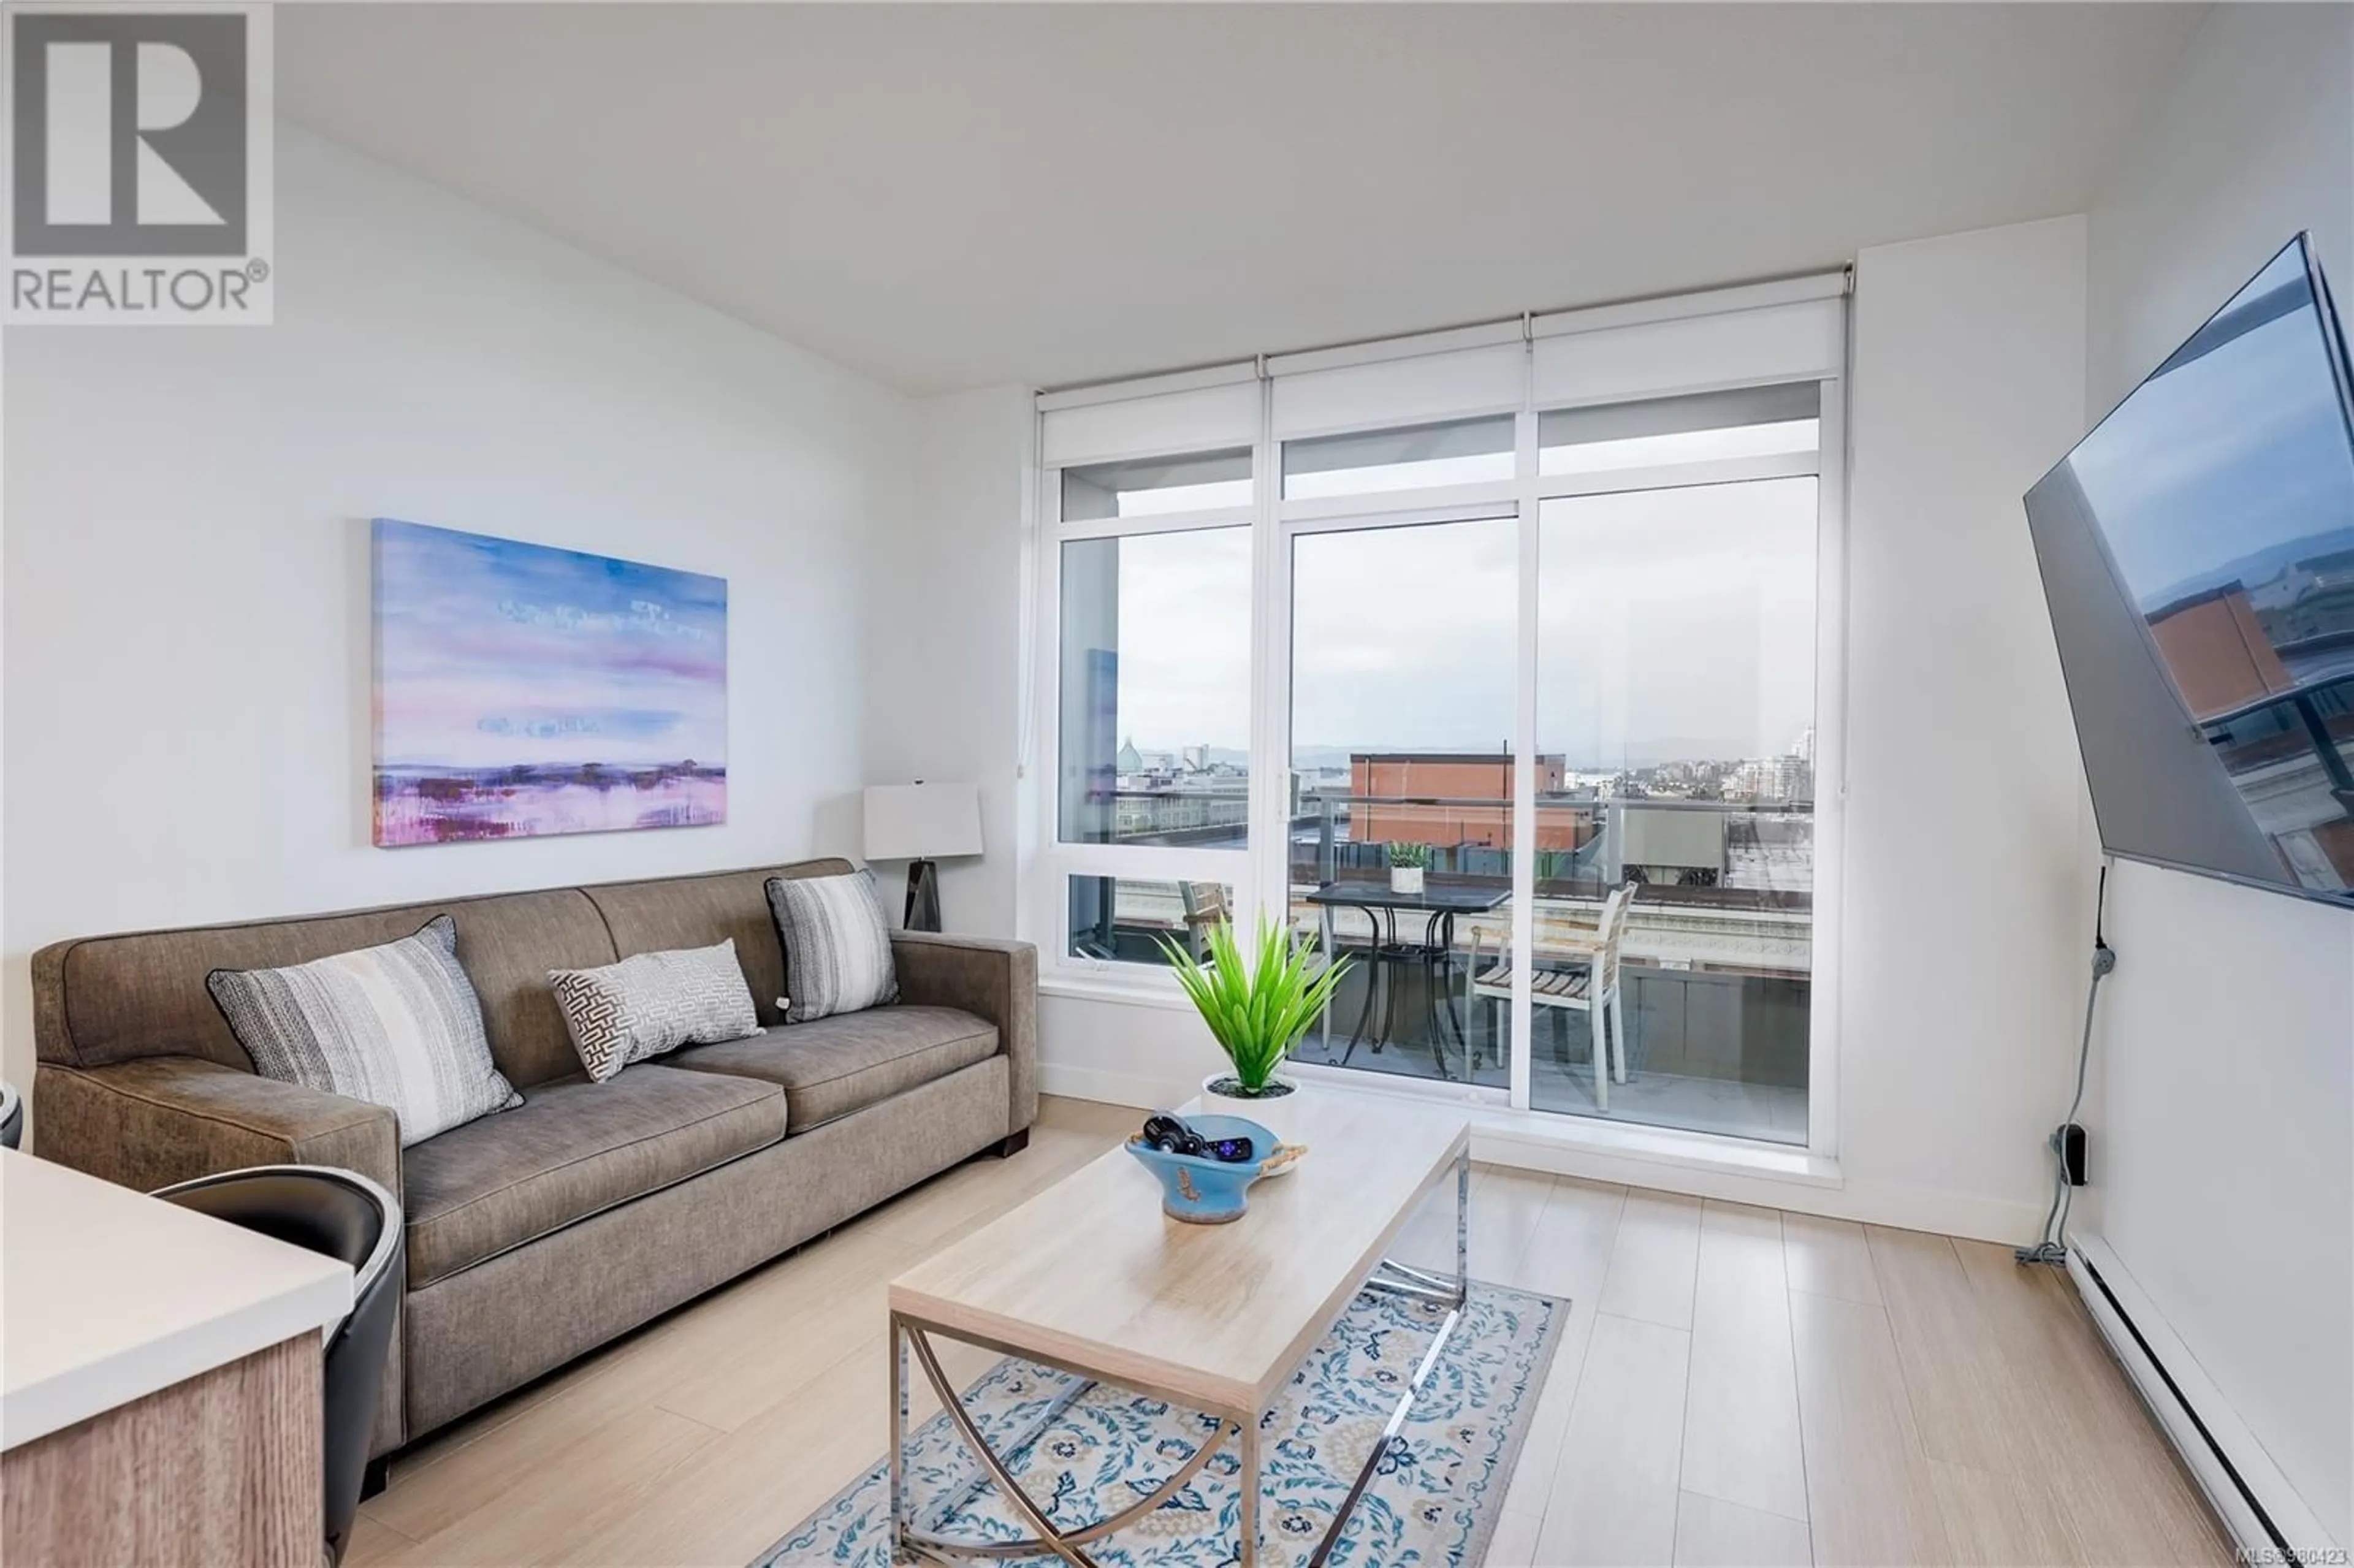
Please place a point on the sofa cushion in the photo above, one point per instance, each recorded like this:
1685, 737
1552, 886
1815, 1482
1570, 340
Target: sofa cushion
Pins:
831, 1066
571, 1149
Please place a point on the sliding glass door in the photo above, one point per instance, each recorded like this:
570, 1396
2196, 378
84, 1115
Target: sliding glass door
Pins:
1401, 715
1645, 925
1675, 672
1676, 684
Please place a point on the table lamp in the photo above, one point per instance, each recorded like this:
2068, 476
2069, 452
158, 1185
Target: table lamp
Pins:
920, 823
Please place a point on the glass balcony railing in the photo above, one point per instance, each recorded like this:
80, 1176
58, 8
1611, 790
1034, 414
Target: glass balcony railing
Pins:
1705, 982
1707, 974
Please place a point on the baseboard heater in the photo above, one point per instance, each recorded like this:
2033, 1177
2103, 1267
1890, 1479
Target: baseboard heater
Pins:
2268, 1521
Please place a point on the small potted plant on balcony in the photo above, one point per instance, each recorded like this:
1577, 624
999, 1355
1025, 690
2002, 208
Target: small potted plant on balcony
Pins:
1257, 1009
1407, 862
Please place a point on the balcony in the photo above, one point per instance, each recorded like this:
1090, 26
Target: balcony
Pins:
1713, 959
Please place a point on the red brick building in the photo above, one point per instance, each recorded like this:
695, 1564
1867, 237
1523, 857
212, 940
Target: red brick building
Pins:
1479, 792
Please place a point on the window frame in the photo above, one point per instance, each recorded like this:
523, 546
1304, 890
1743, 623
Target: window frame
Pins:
1260, 873
1044, 901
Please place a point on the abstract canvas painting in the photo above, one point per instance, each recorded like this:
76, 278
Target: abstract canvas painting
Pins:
522, 690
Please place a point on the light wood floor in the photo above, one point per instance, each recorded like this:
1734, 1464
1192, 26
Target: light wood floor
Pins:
1736, 1386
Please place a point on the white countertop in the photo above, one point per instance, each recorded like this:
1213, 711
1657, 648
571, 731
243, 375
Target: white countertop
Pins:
107, 1295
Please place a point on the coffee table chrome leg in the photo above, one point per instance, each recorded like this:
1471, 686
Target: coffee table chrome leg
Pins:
1463, 1225
1414, 1284
1388, 1439
909, 1543
1391, 1278
1396, 1278
1246, 1528
1031, 1514
898, 1358
941, 1549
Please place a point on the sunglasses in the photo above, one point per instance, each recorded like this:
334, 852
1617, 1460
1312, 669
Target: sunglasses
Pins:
1171, 1136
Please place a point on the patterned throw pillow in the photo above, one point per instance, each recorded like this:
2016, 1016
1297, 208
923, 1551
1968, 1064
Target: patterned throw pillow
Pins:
837, 945
396, 1025
655, 1002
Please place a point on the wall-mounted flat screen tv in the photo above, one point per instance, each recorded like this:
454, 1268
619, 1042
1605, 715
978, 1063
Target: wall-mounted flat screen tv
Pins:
2198, 558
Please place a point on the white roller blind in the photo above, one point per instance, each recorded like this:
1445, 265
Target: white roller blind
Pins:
1421, 389
1756, 334
1797, 342
1200, 420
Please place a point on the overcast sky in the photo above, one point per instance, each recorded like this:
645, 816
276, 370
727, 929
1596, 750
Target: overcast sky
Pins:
2229, 465
1673, 623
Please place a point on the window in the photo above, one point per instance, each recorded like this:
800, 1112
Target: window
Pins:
1156, 689
1149, 706
1419, 457
1157, 486
1517, 713
1760, 421
1127, 921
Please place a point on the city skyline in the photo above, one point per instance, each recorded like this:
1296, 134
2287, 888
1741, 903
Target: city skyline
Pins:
1337, 756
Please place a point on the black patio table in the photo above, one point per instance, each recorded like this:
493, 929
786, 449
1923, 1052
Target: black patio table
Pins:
1439, 902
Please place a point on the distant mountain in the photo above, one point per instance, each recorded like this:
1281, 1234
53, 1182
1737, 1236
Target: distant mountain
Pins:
2259, 567
1651, 751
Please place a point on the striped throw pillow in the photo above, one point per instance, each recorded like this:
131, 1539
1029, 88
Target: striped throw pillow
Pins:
837, 945
653, 1003
396, 1025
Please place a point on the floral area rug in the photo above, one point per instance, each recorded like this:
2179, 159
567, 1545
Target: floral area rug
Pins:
1084, 1451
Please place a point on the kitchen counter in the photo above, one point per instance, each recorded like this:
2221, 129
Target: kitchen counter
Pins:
108, 1295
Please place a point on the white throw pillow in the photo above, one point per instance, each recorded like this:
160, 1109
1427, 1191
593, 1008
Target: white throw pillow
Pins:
655, 1002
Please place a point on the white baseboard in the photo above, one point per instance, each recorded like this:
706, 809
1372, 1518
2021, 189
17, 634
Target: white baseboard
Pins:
2268, 1521
1735, 1173
1691, 1164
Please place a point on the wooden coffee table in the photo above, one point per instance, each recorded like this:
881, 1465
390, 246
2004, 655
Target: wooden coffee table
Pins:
1090, 1277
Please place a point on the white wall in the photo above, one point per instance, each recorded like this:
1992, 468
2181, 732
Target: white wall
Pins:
2221, 1143
1098, 1047
2253, 141
188, 660
1968, 896
2223, 1150
945, 678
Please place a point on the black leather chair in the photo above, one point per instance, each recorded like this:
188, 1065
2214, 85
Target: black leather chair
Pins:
344, 1215
12, 1117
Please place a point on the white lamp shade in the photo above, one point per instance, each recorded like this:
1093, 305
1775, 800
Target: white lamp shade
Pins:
922, 821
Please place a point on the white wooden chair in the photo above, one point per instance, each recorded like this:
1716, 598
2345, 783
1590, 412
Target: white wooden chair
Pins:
1205, 906
1590, 986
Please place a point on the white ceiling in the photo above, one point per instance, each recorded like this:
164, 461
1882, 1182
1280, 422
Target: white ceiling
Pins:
956, 195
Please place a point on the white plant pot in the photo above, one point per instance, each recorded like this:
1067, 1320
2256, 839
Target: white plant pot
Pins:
1278, 1115
1405, 879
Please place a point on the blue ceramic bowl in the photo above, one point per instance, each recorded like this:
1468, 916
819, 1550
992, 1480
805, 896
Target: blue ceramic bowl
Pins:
1206, 1192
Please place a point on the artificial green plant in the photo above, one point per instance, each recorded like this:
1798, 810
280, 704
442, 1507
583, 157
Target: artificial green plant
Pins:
1256, 1011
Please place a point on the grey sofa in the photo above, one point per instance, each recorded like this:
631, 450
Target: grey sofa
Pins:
536, 1235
